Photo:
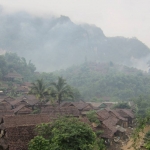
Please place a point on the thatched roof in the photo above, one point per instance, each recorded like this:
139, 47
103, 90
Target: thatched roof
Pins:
1, 100
103, 114
95, 104
62, 111
81, 106
111, 121
26, 120
4, 105
18, 108
6, 113
16, 101
18, 137
118, 115
126, 113
8, 99
31, 99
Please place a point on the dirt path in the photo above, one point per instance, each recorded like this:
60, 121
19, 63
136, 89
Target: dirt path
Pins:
128, 145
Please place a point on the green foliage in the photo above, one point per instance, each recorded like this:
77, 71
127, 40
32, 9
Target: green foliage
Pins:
100, 143
122, 105
68, 134
147, 135
61, 90
98, 133
147, 145
92, 116
142, 105
12, 62
141, 123
40, 90
38, 143
95, 80
147, 140
36, 111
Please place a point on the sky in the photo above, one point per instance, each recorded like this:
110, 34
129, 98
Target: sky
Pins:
128, 18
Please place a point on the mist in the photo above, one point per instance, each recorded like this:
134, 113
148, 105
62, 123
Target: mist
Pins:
54, 43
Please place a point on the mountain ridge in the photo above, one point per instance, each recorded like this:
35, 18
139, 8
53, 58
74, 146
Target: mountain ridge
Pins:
56, 43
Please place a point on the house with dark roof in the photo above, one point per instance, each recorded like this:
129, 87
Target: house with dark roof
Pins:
6, 113
47, 109
67, 111
18, 101
31, 99
96, 105
64, 104
83, 107
110, 126
5, 105
19, 129
25, 120
22, 109
17, 138
8, 98
103, 114
60, 111
122, 121
128, 114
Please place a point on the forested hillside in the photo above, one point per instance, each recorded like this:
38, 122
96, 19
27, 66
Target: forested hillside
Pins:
11, 62
54, 43
107, 81
94, 81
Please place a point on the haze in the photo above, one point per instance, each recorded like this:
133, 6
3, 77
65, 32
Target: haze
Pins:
128, 18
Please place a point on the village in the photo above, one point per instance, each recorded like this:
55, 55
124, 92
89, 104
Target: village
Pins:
18, 117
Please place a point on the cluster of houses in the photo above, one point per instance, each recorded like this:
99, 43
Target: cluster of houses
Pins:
18, 119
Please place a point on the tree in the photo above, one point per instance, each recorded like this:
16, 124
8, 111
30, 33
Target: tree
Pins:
92, 116
147, 140
3, 66
141, 123
39, 143
39, 89
61, 89
122, 105
68, 134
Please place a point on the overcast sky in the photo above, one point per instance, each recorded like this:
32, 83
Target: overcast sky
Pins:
129, 18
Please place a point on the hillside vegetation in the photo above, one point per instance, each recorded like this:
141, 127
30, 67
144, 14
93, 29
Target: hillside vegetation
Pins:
11, 62
91, 81
107, 81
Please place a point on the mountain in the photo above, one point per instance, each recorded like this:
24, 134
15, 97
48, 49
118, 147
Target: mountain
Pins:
54, 43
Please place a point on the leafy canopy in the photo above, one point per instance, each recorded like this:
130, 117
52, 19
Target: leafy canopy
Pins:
39, 143
61, 89
39, 89
67, 134
122, 105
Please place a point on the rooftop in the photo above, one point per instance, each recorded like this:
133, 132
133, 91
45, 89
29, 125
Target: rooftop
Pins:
25, 120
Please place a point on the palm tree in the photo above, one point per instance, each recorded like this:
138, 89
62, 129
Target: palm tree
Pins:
39, 89
61, 90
